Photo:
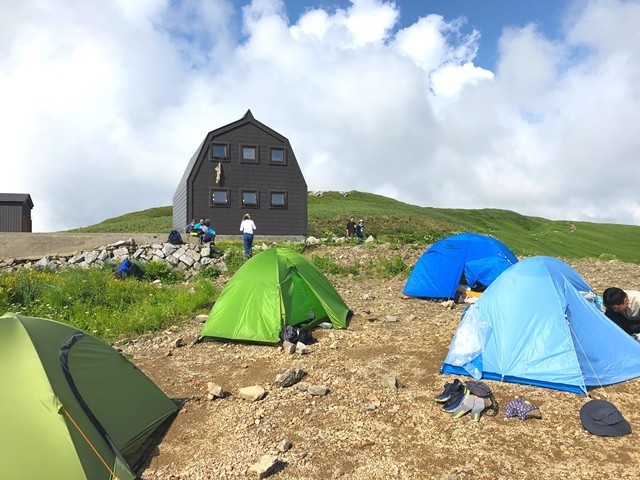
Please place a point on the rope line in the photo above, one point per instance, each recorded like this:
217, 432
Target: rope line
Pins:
584, 354
68, 415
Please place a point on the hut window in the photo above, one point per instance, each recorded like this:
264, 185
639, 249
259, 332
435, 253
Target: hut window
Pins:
278, 156
249, 154
279, 199
219, 151
250, 198
219, 197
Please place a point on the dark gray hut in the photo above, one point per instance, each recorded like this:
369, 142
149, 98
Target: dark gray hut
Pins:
243, 167
15, 212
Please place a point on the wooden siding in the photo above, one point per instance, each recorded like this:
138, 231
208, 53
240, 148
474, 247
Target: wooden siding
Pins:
12, 218
180, 220
261, 176
15, 212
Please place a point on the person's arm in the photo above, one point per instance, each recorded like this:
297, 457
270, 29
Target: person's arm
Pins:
623, 322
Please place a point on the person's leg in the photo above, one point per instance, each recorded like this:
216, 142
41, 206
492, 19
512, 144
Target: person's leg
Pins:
250, 245
247, 245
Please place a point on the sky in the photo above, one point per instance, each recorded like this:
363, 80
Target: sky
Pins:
526, 106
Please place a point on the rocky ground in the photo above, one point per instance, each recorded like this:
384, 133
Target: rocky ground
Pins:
361, 429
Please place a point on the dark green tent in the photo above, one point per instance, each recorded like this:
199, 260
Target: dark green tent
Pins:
73, 408
276, 287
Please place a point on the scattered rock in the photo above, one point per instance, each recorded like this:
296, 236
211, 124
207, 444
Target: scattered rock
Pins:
264, 467
253, 393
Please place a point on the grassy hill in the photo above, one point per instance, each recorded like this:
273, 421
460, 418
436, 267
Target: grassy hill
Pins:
396, 222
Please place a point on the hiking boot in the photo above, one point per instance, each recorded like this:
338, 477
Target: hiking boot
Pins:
455, 400
467, 404
449, 390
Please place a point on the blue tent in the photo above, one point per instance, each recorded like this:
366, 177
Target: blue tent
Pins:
438, 272
540, 324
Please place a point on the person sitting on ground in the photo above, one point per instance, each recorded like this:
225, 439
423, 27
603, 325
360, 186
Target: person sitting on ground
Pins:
623, 308
208, 233
197, 228
190, 227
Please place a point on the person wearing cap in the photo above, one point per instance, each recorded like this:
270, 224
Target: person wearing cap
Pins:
360, 230
623, 308
208, 233
247, 227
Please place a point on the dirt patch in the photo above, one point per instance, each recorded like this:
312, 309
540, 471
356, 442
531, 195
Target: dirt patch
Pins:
362, 430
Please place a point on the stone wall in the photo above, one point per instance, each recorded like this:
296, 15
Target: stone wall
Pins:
188, 258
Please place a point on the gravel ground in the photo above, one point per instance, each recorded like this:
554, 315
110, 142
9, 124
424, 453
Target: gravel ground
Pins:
362, 429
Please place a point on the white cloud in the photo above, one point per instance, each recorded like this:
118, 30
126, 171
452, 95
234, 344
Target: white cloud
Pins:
105, 102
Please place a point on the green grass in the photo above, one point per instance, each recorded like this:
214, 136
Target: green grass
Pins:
153, 220
94, 301
394, 222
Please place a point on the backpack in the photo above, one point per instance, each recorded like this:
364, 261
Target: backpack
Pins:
127, 268
175, 238
482, 390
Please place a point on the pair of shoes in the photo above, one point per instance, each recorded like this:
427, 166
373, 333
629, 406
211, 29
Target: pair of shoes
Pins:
450, 389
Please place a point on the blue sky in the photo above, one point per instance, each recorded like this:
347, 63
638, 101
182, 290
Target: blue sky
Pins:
530, 106
489, 17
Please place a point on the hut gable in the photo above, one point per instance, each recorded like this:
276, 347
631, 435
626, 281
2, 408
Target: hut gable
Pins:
243, 167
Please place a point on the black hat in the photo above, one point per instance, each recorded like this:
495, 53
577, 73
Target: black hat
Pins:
603, 418
207, 222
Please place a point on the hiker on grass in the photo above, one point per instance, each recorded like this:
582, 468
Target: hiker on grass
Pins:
623, 308
351, 227
360, 230
247, 227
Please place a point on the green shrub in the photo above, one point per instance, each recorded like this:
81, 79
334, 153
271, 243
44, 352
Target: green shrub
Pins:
210, 272
387, 267
156, 270
328, 266
234, 259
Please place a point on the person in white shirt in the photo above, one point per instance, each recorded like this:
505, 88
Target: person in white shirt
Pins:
247, 227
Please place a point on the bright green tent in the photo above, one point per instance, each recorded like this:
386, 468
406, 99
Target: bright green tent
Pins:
73, 408
274, 288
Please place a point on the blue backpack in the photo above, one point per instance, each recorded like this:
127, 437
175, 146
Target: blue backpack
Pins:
175, 238
127, 268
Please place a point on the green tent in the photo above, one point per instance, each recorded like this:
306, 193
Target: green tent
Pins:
274, 288
73, 408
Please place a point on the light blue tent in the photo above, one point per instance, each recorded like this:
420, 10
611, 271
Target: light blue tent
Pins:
540, 324
438, 272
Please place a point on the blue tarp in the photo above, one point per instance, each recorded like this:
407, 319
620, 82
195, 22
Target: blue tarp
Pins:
438, 272
539, 324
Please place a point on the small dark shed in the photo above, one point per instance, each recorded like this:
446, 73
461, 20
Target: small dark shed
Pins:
243, 167
15, 212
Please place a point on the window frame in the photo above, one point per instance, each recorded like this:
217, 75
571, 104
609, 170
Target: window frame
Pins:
249, 190
285, 194
256, 150
227, 148
284, 155
212, 203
